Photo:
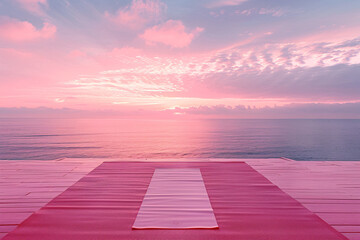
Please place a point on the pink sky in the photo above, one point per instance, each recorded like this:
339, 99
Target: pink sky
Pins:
173, 58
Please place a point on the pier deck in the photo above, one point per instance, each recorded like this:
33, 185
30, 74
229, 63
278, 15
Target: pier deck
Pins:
331, 190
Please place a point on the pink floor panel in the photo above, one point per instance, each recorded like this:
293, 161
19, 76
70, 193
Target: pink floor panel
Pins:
104, 205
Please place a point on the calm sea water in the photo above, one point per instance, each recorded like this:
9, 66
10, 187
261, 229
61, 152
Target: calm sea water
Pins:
114, 138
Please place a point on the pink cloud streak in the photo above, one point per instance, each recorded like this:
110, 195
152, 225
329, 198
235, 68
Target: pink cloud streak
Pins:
171, 33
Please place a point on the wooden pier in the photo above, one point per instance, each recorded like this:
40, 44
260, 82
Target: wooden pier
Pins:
331, 190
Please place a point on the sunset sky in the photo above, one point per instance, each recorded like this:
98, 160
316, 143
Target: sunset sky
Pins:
218, 58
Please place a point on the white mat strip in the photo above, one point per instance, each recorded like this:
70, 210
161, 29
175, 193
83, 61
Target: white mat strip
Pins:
176, 199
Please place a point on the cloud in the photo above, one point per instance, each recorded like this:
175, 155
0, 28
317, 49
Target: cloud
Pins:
297, 72
171, 33
126, 84
299, 110
262, 11
138, 13
338, 82
288, 111
14, 30
272, 12
224, 3
34, 6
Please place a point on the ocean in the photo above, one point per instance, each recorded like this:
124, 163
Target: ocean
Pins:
305, 140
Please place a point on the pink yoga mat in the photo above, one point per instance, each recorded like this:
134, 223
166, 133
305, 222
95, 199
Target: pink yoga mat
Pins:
104, 205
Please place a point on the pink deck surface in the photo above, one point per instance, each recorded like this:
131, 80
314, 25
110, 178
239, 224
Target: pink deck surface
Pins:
104, 205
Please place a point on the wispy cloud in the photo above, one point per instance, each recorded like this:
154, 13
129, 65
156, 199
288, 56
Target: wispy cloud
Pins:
171, 33
129, 85
138, 13
275, 12
292, 72
298, 110
223, 3
36, 7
